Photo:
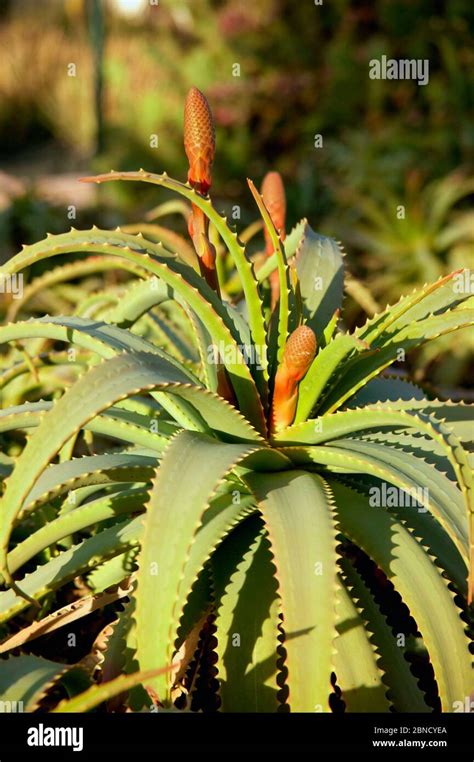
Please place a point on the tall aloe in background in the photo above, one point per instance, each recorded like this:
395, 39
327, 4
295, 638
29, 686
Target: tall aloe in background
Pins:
218, 472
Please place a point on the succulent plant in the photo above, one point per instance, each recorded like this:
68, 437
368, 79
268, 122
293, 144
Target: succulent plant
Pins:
256, 499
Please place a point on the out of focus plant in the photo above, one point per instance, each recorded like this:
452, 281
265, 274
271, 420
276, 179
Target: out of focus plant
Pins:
398, 243
409, 241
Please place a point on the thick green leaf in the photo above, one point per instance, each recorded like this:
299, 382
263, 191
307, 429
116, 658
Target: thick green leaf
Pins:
97, 694
191, 469
182, 279
436, 297
103, 386
358, 675
297, 510
25, 679
62, 478
386, 390
67, 272
67, 565
404, 691
360, 369
422, 485
320, 269
100, 337
322, 369
246, 624
114, 423
420, 584
341, 424
88, 515
244, 267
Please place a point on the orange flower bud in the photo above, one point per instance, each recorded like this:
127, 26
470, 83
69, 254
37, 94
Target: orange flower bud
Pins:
199, 140
299, 353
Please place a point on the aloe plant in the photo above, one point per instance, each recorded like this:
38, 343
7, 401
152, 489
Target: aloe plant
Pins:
218, 472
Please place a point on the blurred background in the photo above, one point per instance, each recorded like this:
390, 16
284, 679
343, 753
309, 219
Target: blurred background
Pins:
94, 85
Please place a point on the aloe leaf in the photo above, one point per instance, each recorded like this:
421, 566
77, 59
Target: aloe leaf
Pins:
114, 654
341, 424
358, 674
25, 679
100, 337
171, 240
62, 617
88, 515
321, 371
247, 624
422, 303
297, 511
83, 241
220, 417
138, 300
386, 390
97, 390
68, 564
113, 423
244, 267
103, 386
442, 497
188, 284
67, 272
293, 239
456, 416
429, 531
95, 305
403, 689
169, 535
224, 513
97, 694
360, 369
320, 268
60, 478
112, 572
404, 560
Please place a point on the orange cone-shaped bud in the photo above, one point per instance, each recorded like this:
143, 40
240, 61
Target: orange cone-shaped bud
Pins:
199, 140
299, 353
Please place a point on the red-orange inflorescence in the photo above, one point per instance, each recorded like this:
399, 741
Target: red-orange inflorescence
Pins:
199, 140
300, 351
